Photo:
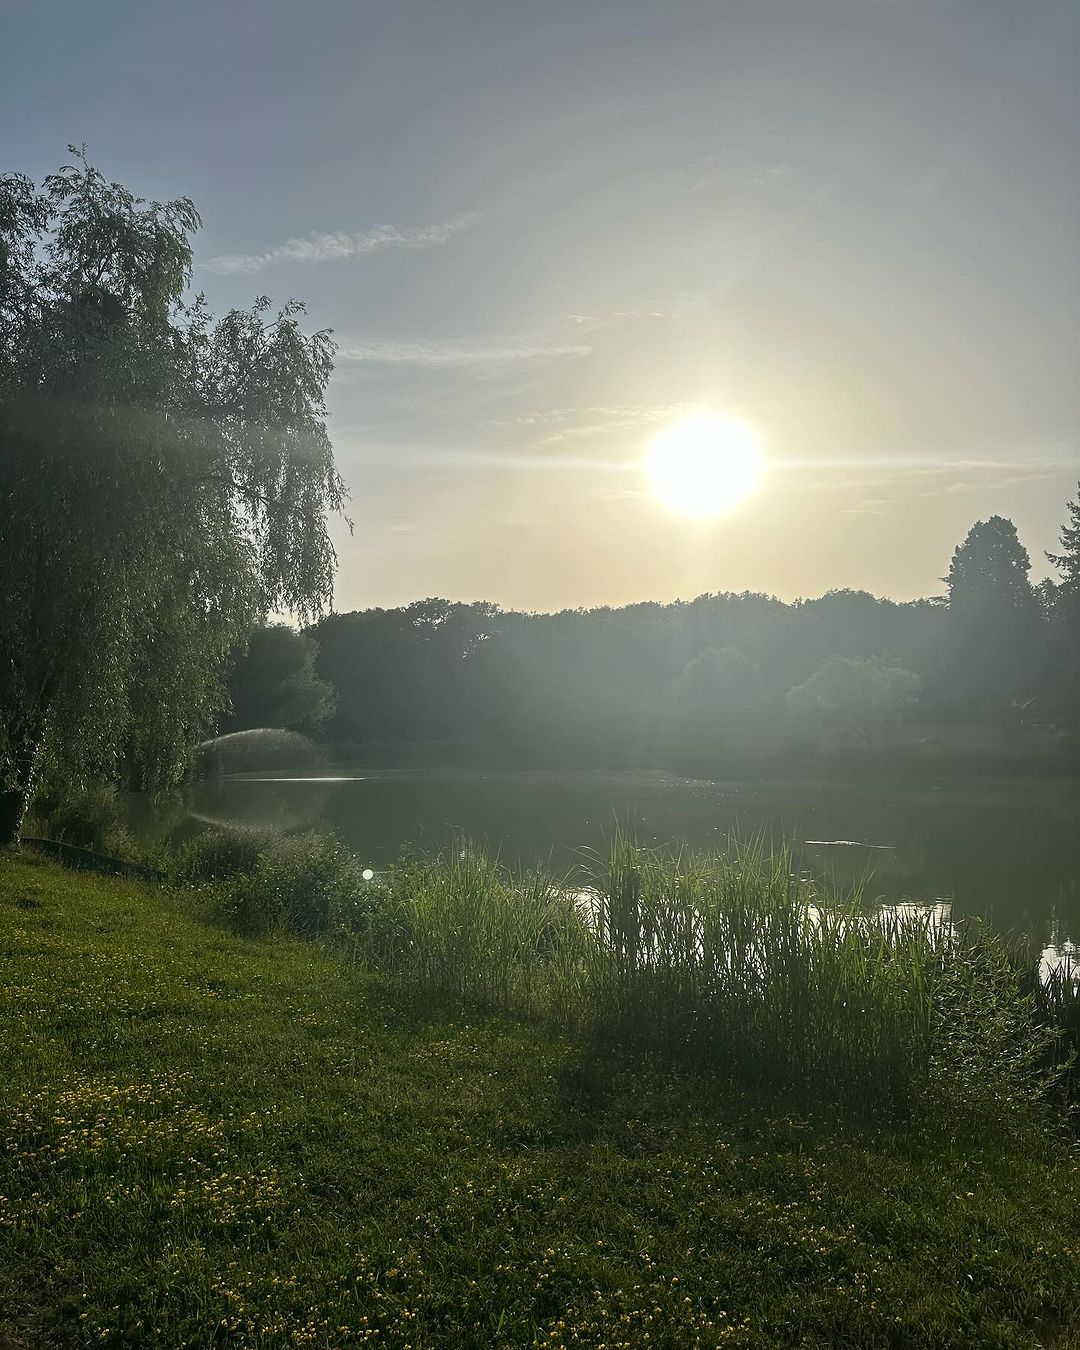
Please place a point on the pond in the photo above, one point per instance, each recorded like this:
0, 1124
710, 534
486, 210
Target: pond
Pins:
1005, 849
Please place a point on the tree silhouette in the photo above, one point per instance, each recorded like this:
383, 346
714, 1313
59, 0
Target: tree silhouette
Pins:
862, 697
1063, 606
989, 571
997, 643
1067, 591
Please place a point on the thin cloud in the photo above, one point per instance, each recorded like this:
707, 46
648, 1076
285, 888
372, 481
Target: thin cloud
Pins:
919, 477
549, 417
900, 466
343, 247
616, 421
591, 321
454, 457
873, 506
989, 485
680, 305
463, 356
581, 423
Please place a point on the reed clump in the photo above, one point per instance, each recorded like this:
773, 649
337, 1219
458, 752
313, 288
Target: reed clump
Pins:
732, 959
468, 928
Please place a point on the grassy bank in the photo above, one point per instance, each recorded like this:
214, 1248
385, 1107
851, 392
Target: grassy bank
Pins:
209, 1140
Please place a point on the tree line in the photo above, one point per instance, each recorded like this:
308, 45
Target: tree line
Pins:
724, 676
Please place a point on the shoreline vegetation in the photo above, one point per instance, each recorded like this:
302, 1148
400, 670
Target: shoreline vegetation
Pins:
730, 958
215, 1133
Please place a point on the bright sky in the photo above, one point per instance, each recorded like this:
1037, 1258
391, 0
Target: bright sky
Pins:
545, 232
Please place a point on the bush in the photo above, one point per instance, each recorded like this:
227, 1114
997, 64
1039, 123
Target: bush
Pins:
88, 817
1057, 1007
992, 1054
310, 881
373, 924
218, 855
305, 885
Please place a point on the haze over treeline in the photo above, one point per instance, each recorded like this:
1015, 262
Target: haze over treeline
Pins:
723, 675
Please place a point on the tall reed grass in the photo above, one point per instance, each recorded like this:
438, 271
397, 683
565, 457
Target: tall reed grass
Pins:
733, 958
729, 958
467, 927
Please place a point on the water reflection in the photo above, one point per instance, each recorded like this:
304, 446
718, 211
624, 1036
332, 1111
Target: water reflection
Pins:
1060, 956
1001, 849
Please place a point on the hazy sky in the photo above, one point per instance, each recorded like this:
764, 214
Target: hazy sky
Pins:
543, 231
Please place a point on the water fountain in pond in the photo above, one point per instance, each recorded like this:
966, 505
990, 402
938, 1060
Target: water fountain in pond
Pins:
230, 766
259, 750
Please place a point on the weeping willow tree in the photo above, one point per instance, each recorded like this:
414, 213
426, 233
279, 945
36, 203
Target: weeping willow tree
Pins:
165, 480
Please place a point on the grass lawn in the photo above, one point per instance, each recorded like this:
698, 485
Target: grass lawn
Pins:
212, 1141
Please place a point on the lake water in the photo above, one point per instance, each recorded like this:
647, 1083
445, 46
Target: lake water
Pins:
1006, 849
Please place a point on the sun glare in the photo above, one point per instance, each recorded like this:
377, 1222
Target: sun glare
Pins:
704, 465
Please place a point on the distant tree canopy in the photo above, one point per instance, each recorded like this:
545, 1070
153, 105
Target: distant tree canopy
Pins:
719, 677
850, 695
723, 705
706, 678
164, 481
273, 683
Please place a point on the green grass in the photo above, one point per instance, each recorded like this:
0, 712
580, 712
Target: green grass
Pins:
208, 1140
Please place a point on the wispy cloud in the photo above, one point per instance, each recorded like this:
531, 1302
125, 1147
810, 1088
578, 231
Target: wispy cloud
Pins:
678, 305
442, 454
915, 477
570, 424
343, 247
616, 316
872, 506
541, 418
616, 422
480, 357
509, 461
998, 484
920, 464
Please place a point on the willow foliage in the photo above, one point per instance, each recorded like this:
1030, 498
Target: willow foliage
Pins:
165, 479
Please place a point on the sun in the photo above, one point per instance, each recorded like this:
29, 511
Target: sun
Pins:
704, 465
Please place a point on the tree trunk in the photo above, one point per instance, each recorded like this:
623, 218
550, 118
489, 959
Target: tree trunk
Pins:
12, 809
15, 798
